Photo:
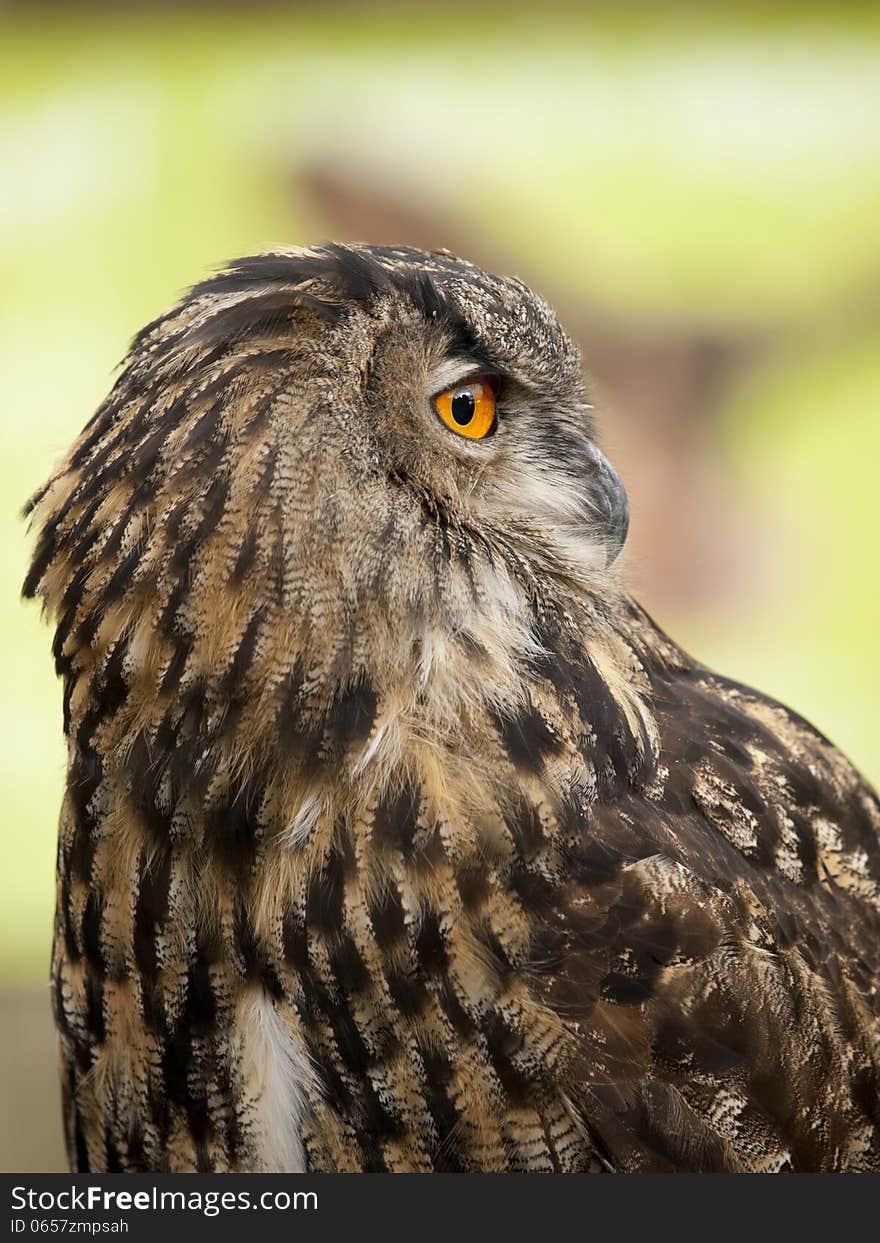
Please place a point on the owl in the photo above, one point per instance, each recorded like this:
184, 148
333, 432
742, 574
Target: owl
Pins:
396, 836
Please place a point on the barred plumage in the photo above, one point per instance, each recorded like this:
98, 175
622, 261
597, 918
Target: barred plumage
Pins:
396, 836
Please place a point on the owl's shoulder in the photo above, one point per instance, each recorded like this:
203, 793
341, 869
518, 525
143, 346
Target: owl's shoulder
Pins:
713, 947
737, 762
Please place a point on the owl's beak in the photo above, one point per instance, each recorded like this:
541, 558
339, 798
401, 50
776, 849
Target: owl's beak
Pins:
609, 504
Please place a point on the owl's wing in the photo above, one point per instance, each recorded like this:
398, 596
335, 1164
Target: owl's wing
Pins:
717, 947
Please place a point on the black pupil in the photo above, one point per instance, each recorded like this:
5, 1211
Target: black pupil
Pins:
463, 406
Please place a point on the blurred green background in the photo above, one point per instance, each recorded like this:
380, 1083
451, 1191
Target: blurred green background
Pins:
697, 188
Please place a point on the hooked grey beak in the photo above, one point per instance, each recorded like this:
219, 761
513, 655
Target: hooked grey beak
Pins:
610, 504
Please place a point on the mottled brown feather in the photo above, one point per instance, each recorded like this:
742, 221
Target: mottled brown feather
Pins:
396, 837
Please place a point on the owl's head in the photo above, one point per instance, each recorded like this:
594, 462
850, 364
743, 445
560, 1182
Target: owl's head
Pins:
426, 376
325, 437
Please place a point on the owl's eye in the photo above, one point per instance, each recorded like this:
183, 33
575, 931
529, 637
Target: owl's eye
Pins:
469, 408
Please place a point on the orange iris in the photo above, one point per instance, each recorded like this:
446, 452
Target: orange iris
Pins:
469, 407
